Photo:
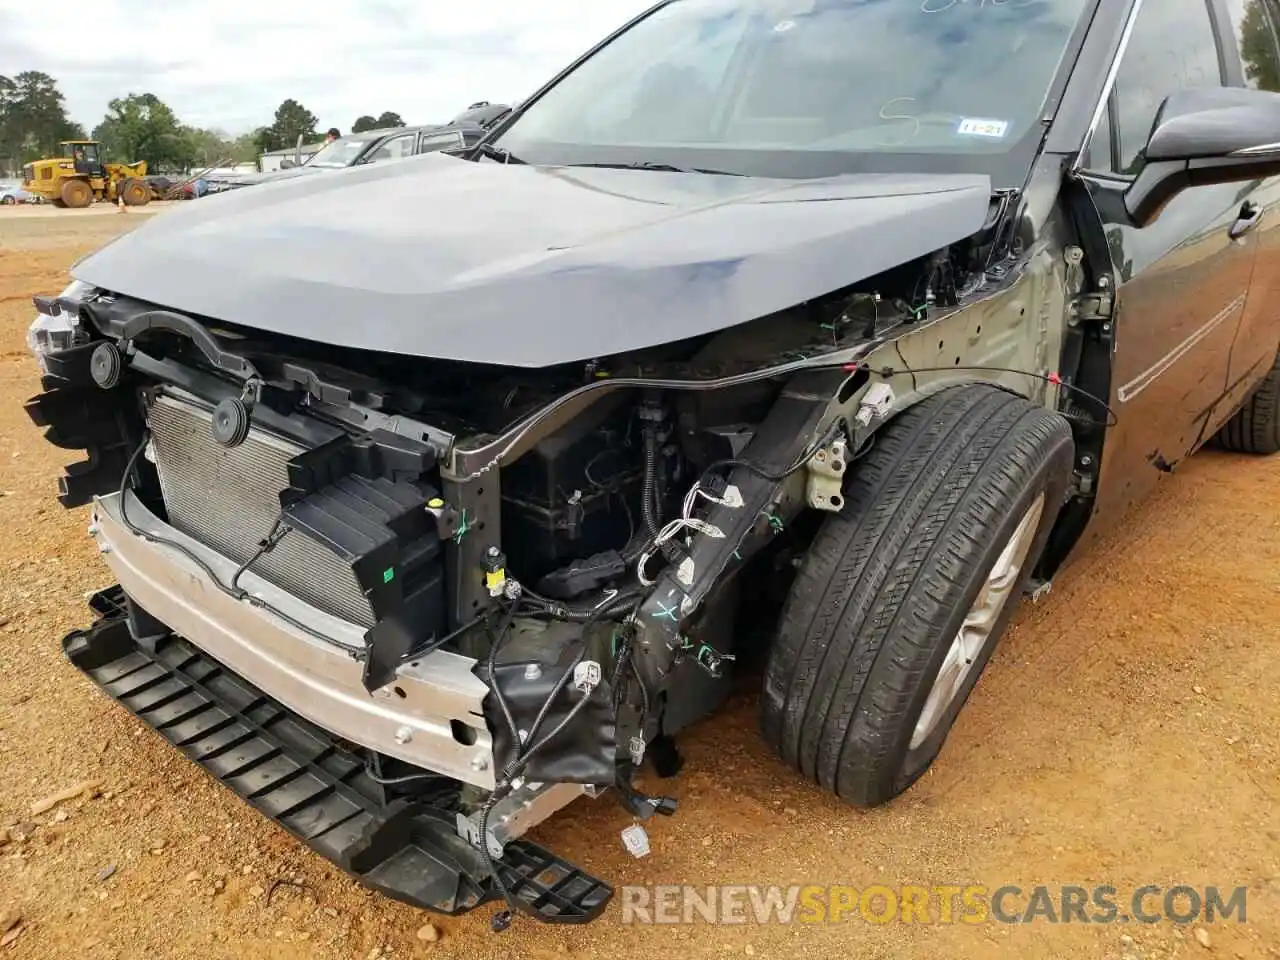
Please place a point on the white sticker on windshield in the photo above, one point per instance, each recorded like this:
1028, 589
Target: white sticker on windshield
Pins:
783, 26
977, 127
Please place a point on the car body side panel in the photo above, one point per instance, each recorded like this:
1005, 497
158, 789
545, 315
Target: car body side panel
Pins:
1185, 299
1258, 334
1183, 287
1258, 339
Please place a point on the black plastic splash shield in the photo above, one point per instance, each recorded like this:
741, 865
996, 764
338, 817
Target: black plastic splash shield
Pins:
296, 774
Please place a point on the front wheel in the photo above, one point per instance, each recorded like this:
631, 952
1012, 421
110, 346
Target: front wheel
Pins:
905, 593
76, 194
135, 193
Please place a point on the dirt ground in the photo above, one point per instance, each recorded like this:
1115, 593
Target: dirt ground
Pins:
49, 211
1124, 734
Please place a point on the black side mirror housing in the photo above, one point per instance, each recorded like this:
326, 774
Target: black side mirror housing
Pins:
1204, 136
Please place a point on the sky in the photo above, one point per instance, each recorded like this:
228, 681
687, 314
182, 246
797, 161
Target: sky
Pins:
228, 64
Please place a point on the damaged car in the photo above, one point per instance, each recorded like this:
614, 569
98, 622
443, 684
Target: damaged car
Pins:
786, 342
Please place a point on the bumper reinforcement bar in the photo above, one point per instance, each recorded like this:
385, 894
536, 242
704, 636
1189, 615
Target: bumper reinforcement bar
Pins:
313, 786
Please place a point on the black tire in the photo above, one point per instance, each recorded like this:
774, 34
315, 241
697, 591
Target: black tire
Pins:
76, 194
135, 193
1255, 427
889, 580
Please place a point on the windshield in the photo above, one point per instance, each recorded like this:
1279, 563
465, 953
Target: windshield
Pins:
808, 87
340, 153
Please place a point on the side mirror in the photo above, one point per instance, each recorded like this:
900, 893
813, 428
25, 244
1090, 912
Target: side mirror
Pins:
286, 163
1205, 136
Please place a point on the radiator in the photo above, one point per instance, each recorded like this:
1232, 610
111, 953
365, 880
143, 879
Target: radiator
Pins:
229, 498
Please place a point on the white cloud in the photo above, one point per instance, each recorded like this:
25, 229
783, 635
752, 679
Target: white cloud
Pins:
229, 64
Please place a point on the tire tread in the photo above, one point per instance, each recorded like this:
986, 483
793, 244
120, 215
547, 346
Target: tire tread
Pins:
860, 625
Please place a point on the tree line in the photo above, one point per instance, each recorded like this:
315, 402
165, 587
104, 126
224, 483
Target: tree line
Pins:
141, 126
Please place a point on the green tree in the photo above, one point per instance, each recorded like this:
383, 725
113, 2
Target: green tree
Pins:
143, 127
33, 118
292, 120
384, 120
9, 140
211, 147
1258, 48
244, 149
264, 140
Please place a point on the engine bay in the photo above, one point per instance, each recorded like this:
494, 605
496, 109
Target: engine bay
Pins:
422, 499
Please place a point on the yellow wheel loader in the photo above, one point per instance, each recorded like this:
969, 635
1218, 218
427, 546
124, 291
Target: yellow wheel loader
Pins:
79, 177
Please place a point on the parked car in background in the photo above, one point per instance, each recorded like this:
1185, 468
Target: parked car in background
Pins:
371, 146
483, 113
10, 195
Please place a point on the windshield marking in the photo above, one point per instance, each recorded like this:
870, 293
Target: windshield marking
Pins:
942, 6
981, 127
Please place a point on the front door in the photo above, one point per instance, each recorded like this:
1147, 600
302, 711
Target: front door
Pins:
1253, 25
1183, 279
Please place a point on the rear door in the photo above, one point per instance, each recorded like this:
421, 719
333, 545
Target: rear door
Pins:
1252, 26
1184, 278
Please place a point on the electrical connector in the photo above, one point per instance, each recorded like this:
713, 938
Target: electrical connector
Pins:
665, 806
495, 571
876, 404
712, 661
714, 485
586, 676
636, 841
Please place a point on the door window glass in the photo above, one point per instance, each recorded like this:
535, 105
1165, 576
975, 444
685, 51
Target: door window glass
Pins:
1098, 155
440, 141
1172, 48
394, 149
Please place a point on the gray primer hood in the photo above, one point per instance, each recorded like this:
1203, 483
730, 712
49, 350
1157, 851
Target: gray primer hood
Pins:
435, 256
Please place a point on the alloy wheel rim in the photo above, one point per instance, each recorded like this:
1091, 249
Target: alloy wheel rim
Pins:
975, 633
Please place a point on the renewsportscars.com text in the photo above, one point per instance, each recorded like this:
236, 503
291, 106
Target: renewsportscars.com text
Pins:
936, 904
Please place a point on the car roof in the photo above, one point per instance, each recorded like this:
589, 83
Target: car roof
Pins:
415, 128
389, 131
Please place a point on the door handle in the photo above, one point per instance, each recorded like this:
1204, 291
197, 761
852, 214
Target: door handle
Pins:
1250, 216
